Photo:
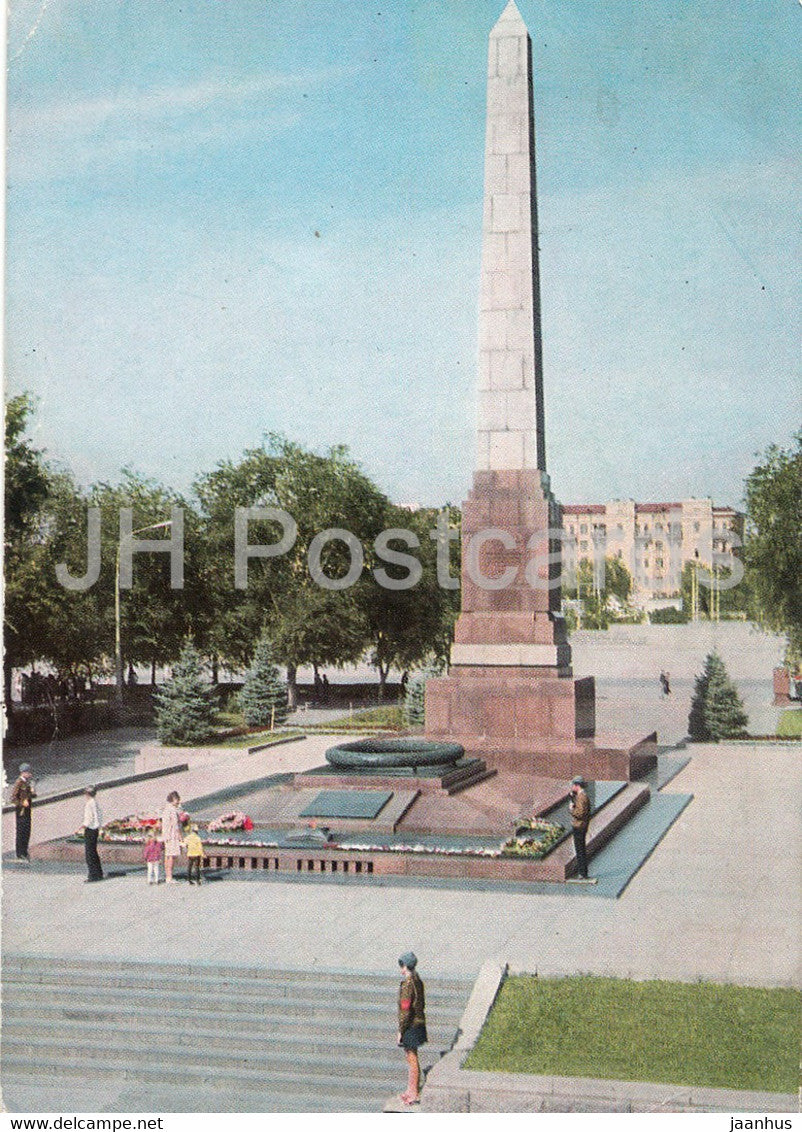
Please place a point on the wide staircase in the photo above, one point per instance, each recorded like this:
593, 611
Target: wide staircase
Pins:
109, 1036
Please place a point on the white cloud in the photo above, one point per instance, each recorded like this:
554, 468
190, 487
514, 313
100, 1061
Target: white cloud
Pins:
83, 115
73, 135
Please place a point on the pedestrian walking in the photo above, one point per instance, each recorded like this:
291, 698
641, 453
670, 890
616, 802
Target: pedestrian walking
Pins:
665, 684
153, 856
195, 855
92, 824
22, 795
171, 835
411, 1022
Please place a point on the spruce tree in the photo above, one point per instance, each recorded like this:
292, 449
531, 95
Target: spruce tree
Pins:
186, 706
263, 699
697, 728
717, 711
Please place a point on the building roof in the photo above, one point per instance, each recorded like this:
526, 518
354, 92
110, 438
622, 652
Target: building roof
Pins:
640, 508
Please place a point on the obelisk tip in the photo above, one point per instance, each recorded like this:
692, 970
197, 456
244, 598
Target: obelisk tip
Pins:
510, 15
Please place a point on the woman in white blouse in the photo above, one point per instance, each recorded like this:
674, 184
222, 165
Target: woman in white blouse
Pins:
92, 823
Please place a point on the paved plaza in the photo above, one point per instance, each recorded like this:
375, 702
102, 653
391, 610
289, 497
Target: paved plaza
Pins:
719, 899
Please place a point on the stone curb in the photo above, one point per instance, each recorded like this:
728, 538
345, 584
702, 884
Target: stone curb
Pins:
276, 743
484, 994
452, 1089
109, 784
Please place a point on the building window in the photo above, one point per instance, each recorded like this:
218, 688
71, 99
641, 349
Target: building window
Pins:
583, 545
583, 530
696, 526
646, 563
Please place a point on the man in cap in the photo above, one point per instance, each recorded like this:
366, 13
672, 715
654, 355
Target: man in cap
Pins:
22, 796
579, 808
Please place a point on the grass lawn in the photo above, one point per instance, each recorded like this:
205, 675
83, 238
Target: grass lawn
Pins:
387, 717
684, 1033
790, 725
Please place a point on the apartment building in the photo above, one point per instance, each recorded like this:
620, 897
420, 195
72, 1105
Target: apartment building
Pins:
653, 540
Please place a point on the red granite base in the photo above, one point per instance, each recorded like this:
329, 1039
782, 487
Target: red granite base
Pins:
341, 863
502, 707
526, 720
615, 758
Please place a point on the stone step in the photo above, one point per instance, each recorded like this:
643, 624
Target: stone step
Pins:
187, 1052
331, 1082
54, 967
91, 1001
231, 988
90, 1008
473, 779
25, 1095
221, 1038
265, 1035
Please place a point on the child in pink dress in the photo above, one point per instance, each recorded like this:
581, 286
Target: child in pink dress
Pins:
153, 856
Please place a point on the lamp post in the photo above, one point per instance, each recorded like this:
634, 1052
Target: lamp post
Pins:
118, 644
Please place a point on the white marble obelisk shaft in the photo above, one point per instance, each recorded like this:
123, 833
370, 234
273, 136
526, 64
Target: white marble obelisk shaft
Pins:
510, 417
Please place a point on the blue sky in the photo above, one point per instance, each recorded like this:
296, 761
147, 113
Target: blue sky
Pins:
230, 218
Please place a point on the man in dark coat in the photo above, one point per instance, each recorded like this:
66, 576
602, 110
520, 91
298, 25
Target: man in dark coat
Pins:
22, 797
579, 807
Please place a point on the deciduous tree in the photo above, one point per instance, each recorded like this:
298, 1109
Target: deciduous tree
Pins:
773, 545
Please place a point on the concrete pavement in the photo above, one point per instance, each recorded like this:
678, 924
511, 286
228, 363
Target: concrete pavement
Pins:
58, 819
719, 899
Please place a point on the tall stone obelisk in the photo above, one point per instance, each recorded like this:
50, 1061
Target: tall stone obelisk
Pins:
511, 419
509, 693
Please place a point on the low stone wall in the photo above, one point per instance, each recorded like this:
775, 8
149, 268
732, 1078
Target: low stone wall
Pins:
333, 862
452, 1089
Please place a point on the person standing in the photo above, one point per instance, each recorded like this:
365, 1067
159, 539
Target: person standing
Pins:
22, 797
195, 856
411, 1022
153, 856
92, 823
579, 808
171, 835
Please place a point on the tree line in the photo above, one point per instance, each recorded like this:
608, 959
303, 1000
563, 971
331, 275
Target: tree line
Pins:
307, 625
46, 524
